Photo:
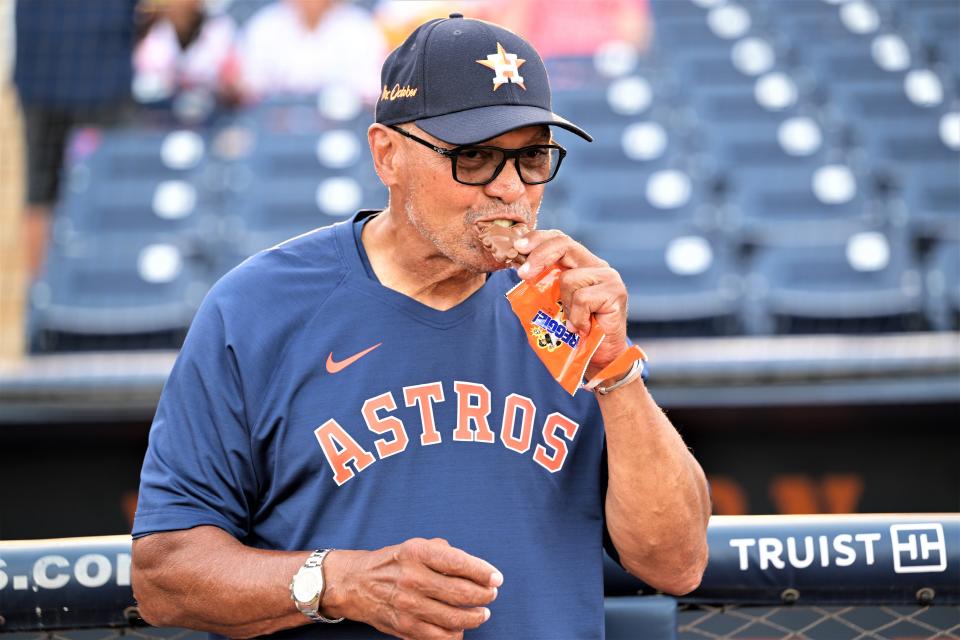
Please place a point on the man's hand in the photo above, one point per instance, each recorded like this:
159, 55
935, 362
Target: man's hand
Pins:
589, 287
417, 589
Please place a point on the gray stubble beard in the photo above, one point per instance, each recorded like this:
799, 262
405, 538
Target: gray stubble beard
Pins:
468, 241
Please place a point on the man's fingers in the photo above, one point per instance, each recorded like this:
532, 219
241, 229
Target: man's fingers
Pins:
458, 592
605, 301
407, 625
445, 616
547, 247
451, 561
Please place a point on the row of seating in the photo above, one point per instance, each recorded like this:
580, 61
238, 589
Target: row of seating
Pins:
139, 287
770, 167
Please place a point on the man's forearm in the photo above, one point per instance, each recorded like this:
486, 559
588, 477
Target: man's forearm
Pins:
205, 579
657, 502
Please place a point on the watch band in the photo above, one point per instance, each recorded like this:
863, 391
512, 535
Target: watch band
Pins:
634, 356
635, 371
315, 560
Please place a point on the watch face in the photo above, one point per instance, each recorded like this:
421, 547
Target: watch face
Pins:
306, 585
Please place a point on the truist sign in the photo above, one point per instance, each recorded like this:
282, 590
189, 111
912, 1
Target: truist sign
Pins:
917, 548
841, 558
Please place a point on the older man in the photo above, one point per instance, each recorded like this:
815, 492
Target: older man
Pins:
357, 424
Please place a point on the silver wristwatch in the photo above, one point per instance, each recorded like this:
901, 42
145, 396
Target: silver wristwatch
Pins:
307, 586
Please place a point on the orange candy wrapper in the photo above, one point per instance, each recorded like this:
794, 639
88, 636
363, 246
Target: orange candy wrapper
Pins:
537, 304
566, 355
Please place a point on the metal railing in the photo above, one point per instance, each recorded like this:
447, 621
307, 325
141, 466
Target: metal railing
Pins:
829, 577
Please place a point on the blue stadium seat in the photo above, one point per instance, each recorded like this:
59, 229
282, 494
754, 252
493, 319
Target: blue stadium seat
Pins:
765, 144
686, 285
136, 152
575, 72
134, 205
711, 69
780, 205
871, 107
643, 144
687, 34
676, 9
868, 282
335, 107
840, 67
732, 106
907, 143
943, 286
934, 22
617, 101
285, 155
811, 27
269, 212
616, 209
130, 290
931, 197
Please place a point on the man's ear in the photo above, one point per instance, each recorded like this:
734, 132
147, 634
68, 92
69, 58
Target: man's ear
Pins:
385, 152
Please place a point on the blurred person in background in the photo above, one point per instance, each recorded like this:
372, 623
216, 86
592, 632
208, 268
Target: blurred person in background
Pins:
547, 24
302, 46
397, 18
74, 65
187, 47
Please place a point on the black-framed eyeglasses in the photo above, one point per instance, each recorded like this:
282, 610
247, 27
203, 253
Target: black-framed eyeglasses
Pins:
478, 165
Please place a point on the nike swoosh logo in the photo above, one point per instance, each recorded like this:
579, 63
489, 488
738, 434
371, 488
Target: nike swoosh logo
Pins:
335, 367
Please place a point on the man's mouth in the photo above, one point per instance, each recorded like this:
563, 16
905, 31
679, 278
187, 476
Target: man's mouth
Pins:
506, 223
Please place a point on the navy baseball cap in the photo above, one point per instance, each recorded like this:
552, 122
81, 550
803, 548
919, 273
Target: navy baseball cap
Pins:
464, 81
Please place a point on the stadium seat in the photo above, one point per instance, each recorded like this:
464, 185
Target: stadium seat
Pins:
866, 282
618, 101
724, 107
931, 198
265, 213
136, 152
616, 209
134, 205
698, 69
943, 286
643, 144
334, 107
814, 26
685, 286
116, 291
712, 31
800, 205
795, 141
612, 60
288, 155
676, 9
934, 22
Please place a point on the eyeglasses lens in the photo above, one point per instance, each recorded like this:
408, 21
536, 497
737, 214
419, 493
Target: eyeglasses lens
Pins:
479, 165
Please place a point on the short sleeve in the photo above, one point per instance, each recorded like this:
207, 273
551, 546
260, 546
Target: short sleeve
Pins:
198, 468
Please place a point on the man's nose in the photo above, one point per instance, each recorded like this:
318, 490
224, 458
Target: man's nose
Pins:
507, 186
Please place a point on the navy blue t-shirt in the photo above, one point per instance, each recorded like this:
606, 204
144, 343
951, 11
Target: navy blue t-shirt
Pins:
313, 407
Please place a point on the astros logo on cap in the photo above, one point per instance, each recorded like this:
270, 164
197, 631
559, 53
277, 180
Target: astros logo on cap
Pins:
507, 67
